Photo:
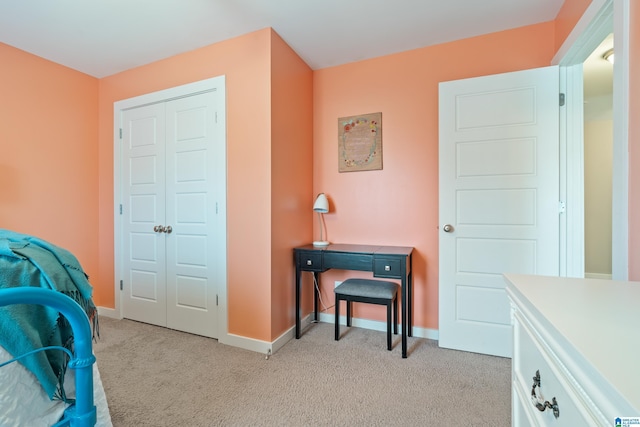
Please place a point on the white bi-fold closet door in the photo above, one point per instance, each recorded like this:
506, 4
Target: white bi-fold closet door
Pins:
173, 227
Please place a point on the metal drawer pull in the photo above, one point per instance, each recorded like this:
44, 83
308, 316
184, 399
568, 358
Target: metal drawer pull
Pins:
309, 262
387, 268
538, 399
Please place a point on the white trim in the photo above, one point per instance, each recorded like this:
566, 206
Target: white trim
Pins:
599, 20
109, 312
572, 172
117, 198
250, 344
377, 325
269, 348
264, 347
594, 25
620, 214
217, 84
597, 276
189, 89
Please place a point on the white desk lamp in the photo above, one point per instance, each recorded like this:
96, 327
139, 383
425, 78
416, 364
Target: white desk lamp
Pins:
321, 206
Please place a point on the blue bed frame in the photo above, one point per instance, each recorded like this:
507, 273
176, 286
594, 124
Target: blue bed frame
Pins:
83, 412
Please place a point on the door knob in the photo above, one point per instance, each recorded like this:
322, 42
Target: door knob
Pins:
167, 229
158, 229
448, 228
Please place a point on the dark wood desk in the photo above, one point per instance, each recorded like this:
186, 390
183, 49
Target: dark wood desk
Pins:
391, 262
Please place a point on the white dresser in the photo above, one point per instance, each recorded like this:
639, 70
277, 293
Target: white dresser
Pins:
583, 337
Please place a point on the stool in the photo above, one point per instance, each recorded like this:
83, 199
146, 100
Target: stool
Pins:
368, 291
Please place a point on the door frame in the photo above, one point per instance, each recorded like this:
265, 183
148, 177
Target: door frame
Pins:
600, 19
217, 84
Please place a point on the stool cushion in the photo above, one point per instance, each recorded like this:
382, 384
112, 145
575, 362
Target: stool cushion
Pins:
367, 288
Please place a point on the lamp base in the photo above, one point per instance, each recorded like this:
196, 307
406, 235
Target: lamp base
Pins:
320, 243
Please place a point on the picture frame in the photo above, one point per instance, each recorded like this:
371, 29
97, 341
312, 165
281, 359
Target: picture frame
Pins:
360, 142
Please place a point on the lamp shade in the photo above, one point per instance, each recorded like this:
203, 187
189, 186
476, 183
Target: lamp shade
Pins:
321, 204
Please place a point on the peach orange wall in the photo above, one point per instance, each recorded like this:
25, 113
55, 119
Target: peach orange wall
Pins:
291, 175
57, 177
398, 205
245, 61
49, 161
634, 141
568, 16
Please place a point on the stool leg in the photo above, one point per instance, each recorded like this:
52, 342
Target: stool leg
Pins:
348, 313
389, 325
337, 310
395, 316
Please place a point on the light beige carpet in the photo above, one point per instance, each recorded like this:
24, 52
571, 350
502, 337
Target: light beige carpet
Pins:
160, 377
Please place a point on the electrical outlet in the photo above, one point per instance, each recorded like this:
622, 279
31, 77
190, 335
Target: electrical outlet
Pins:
337, 283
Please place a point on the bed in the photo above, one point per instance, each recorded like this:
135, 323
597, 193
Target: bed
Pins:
48, 374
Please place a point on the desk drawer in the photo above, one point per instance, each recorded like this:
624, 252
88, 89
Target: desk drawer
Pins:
387, 267
310, 261
347, 261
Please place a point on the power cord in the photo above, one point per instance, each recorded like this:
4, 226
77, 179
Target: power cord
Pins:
324, 307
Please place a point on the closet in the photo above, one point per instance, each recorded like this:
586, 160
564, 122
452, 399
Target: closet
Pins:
172, 213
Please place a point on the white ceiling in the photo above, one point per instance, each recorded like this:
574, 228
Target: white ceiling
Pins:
104, 37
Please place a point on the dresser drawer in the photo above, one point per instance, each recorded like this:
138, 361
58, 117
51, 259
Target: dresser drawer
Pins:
310, 261
387, 267
531, 356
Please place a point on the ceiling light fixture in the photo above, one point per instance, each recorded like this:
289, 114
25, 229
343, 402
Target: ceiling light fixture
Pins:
608, 55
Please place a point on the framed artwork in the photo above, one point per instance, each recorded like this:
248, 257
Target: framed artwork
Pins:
360, 143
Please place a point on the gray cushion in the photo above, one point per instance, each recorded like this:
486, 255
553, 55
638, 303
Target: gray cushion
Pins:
368, 288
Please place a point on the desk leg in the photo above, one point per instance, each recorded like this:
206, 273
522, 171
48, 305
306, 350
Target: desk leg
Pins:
297, 303
405, 327
316, 294
409, 305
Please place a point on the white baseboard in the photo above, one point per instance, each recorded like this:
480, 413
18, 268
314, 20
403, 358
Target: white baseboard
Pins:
245, 343
377, 325
597, 276
268, 348
109, 312
264, 347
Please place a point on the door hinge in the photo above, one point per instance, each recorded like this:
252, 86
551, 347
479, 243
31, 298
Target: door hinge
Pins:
121, 285
562, 99
216, 119
562, 207
120, 208
120, 133
216, 299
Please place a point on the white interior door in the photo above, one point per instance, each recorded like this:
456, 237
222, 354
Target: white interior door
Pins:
499, 193
193, 167
173, 176
143, 178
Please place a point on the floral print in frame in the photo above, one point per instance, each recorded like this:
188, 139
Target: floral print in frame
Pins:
360, 142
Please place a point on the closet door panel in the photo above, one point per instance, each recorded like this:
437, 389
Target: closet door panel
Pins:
191, 145
143, 181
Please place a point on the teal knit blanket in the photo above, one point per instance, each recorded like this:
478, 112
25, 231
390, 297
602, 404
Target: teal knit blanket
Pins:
30, 261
